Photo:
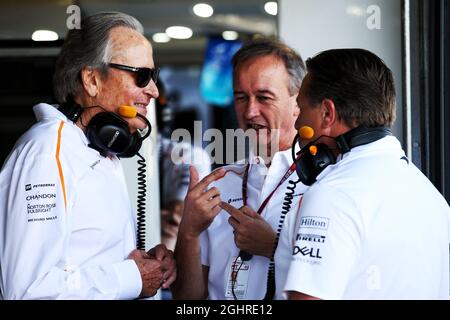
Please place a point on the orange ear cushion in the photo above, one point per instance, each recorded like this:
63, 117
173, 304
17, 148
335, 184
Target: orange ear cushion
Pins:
127, 111
306, 132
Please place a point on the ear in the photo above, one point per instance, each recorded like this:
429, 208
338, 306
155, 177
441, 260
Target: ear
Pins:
296, 109
90, 80
328, 113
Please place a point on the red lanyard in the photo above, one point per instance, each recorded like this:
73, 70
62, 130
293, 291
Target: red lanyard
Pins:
266, 201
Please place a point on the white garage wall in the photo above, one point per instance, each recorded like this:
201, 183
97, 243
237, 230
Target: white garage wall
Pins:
311, 26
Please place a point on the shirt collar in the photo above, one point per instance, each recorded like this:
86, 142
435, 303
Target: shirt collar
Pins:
280, 163
45, 111
283, 157
387, 145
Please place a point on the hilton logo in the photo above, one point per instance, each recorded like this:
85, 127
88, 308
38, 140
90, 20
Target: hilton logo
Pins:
314, 222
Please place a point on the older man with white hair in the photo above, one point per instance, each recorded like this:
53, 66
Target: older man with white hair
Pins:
66, 222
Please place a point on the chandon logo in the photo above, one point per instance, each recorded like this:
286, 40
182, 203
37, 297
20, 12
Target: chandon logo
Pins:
41, 196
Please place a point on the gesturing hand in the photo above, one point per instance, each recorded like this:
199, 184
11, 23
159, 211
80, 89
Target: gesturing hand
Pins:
200, 205
251, 232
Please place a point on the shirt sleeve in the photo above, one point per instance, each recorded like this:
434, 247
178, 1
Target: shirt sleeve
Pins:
35, 227
326, 244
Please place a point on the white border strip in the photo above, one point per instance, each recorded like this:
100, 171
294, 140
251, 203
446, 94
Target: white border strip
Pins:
407, 98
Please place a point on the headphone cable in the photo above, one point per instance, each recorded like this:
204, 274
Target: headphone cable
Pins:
287, 203
141, 200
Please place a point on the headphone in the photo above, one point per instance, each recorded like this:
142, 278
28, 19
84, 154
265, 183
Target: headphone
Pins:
313, 158
107, 132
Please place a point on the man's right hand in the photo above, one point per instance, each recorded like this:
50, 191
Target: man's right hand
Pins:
200, 205
151, 272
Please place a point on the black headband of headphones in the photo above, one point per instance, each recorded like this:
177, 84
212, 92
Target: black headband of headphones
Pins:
360, 136
107, 132
310, 164
71, 110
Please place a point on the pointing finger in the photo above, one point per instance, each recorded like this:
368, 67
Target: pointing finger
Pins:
193, 177
235, 213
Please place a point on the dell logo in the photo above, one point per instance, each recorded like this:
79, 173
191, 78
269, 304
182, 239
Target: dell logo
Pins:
305, 251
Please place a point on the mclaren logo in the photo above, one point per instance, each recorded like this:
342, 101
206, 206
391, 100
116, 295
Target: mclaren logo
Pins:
113, 139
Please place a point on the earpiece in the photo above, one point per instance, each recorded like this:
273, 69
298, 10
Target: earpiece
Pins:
306, 132
109, 133
128, 111
313, 158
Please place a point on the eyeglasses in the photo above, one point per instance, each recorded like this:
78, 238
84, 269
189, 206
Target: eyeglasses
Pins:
144, 75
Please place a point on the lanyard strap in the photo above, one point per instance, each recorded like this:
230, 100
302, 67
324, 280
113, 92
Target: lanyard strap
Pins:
266, 201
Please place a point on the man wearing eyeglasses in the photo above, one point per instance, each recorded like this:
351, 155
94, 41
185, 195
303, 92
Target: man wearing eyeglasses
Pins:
66, 222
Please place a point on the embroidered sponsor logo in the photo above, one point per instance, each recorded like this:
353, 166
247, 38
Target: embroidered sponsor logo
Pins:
42, 185
42, 219
234, 200
307, 252
41, 196
40, 208
94, 164
308, 261
310, 237
314, 222
113, 139
29, 186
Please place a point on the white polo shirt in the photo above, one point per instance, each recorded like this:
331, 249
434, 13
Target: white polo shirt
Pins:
218, 249
66, 222
372, 227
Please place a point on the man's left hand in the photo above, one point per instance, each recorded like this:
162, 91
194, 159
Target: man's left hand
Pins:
251, 232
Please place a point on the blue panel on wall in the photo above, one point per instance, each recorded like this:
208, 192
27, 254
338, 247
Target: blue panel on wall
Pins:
216, 82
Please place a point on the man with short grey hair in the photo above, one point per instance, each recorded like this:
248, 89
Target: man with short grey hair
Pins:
229, 233
67, 226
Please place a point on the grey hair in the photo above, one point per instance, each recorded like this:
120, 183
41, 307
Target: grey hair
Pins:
265, 47
87, 47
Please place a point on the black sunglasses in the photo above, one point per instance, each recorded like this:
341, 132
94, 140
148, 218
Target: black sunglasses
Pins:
144, 75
